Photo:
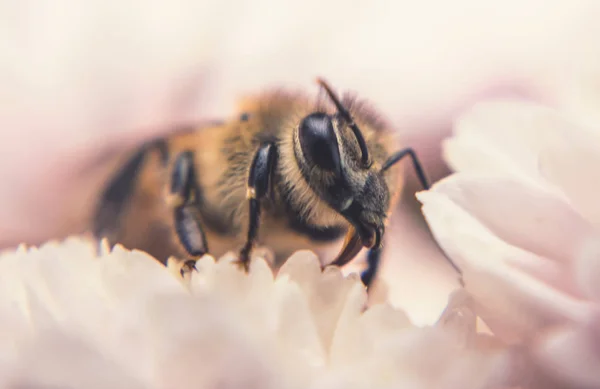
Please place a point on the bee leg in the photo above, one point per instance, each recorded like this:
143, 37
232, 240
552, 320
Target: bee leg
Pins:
184, 201
368, 275
374, 255
373, 261
119, 190
259, 177
114, 199
399, 155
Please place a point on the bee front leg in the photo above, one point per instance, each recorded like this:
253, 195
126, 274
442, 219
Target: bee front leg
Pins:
374, 255
373, 258
259, 178
183, 198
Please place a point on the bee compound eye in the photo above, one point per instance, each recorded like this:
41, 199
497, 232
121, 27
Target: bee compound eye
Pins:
319, 143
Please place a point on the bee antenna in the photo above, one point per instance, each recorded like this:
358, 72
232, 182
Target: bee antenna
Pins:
346, 116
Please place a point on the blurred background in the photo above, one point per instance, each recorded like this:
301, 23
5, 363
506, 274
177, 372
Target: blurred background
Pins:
86, 82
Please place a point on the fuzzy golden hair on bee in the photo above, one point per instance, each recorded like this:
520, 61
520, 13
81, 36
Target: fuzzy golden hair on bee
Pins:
288, 172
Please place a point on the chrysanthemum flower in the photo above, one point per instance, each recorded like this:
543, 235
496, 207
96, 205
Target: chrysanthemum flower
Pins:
72, 318
520, 218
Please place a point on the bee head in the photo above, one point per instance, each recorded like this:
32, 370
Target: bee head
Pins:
335, 161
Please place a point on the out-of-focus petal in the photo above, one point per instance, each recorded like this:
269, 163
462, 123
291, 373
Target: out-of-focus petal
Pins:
219, 327
571, 354
296, 330
197, 342
573, 164
512, 301
348, 340
382, 347
124, 307
47, 279
504, 137
326, 291
77, 365
526, 216
587, 269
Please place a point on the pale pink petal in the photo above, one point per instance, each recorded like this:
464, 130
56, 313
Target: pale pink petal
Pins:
587, 269
348, 341
573, 164
384, 318
296, 330
459, 318
540, 223
522, 214
476, 154
60, 360
572, 355
117, 270
325, 291
503, 136
193, 342
429, 358
512, 301
227, 282
42, 283
212, 330
417, 275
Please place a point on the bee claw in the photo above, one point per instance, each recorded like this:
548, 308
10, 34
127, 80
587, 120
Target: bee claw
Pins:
244, 262
189, 265
180, 267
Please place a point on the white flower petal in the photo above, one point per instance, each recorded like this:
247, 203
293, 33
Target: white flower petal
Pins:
459, 317
221, 327
348, 341
572, 355
382, 319
573, 164
194, 341
296, 332
475, 153
505, 137
587, 269
327, 291
78, 366
521, 221
525, 216
511, 301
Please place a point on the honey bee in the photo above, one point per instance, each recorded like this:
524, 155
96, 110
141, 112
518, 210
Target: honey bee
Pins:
289, 173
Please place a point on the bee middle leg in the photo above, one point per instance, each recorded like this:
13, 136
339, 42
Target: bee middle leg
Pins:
183, 193
259, 179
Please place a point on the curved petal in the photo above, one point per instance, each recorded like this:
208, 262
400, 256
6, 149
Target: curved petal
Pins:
61, 360
587, 270
573, 164
512, 301
42, 281
522, 214
348, 341
571, 354
504, 136
327, 292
